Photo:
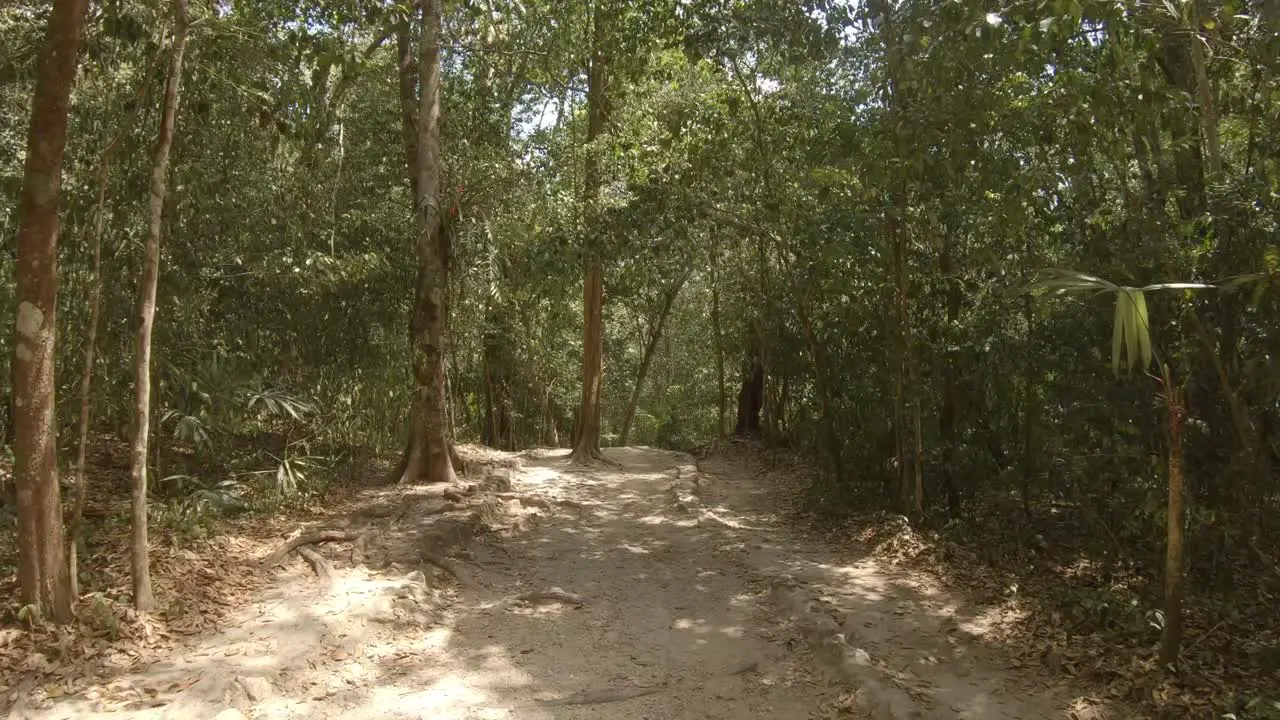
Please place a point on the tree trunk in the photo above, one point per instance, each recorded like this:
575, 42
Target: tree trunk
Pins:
42, 568
76, 522
830, 434
722, 408
86, 372
429, 456
647, 358
587, 432
143, 599
751, 395
1171, 635
905, 389
949, 415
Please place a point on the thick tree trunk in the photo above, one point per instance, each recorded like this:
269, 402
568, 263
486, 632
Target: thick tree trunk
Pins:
587, 431
429, 457
143, 599
751, 395
647, 358
42, 568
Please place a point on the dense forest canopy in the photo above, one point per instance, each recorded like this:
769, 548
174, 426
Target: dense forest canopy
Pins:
850, 229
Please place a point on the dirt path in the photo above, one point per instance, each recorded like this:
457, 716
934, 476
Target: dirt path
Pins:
645, 589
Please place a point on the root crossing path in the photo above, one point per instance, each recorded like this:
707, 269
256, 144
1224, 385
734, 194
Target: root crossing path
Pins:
644, 587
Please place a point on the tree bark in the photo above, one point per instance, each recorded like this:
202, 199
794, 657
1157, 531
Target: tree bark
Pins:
42, 569
647, 358
429, 457
751, 395
1171, 635
587, 431
722, 407
143, 598
949, 415
76, 521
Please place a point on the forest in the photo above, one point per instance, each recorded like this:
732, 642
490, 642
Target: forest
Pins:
999, 270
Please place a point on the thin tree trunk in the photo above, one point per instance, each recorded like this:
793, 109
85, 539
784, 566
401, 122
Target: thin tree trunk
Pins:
722, 408
587, 432
831, 436
1171, 635
430, 458
143, 598
949, 416
76, 522
42, 568
647, 358
86, 374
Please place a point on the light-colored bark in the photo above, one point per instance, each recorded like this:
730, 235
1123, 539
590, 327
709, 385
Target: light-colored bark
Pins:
143, 597
429, 457
42, 568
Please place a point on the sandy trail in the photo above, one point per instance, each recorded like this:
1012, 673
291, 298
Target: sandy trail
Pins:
678, 594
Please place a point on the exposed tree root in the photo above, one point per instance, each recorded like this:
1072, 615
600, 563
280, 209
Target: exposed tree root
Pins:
319, 536
322, 568
606, 695
441, 562
553, 594
583, 458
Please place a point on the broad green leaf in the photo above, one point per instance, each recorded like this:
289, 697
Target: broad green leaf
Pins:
1144, 329
1117, 335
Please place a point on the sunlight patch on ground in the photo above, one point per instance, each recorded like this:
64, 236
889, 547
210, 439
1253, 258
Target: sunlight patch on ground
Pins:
991, 618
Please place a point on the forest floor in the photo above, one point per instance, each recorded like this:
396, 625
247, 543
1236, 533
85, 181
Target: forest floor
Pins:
649, 586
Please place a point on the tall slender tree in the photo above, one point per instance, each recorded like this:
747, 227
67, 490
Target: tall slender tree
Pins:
42, 569
143, 597
586, 440
428, 457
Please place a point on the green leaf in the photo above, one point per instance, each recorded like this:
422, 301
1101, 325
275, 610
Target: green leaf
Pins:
1130, 330
1144, 329
1117, 335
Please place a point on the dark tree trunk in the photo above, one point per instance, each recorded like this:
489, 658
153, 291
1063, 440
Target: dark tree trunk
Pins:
143, 599
586, 445
42, 567
751, 396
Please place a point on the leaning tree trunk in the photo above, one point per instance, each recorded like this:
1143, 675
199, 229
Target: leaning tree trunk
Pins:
143, 598
647, 358
42, 570
587, 431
